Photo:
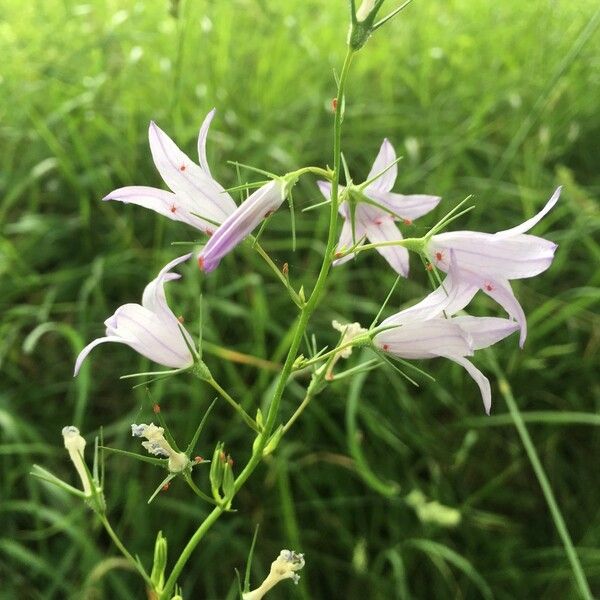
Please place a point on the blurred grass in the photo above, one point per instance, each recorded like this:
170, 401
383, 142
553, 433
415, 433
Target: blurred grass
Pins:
495, 99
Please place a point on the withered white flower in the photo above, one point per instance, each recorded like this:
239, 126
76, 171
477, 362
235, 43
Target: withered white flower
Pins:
159, 446
285, 566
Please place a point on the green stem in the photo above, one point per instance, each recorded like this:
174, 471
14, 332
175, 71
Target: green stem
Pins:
237, 407
115, 538
293, 294
286, 370
559, 522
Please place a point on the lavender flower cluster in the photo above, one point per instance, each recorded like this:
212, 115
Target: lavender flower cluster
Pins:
371, 212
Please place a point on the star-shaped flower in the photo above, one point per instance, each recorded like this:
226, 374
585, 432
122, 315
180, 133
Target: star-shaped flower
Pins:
196, 198
371, 210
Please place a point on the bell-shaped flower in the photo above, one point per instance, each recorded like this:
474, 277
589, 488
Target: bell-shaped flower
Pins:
196, 198
372, 210
427, 330
150, 328
488, 261
259, 205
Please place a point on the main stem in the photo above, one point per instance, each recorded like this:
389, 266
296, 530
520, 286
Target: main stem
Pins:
305, 315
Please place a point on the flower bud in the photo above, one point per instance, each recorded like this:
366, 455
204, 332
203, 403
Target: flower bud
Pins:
160, 562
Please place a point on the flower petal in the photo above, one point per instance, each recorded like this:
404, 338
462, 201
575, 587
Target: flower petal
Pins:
187, 179
84, 353
410, 206
176, 208
385, 158
147, 333
501, 291
202, 135
424, 339
453, 295
384, 229
154, 293
482, 381
485, 331
516, 257
325, 188
239, 224
348, 240
527, 225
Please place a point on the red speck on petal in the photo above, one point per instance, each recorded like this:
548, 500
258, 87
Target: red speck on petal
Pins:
156, 408
173, 208
488, 286
209, 232
165, 487
407, 221
386, 347
334, 104
201, 263
439, 256
182, 168
378, 221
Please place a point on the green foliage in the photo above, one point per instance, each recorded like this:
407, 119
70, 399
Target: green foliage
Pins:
497, 99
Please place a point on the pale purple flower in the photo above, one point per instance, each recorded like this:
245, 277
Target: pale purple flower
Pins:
378, 223
489, 261
150, 328
196, 198
422, 331
259, 205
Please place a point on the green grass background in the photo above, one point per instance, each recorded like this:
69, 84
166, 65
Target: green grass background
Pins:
495, 99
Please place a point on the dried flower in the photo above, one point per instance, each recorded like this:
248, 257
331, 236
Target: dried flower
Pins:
75, 444
285, 566
158, 446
